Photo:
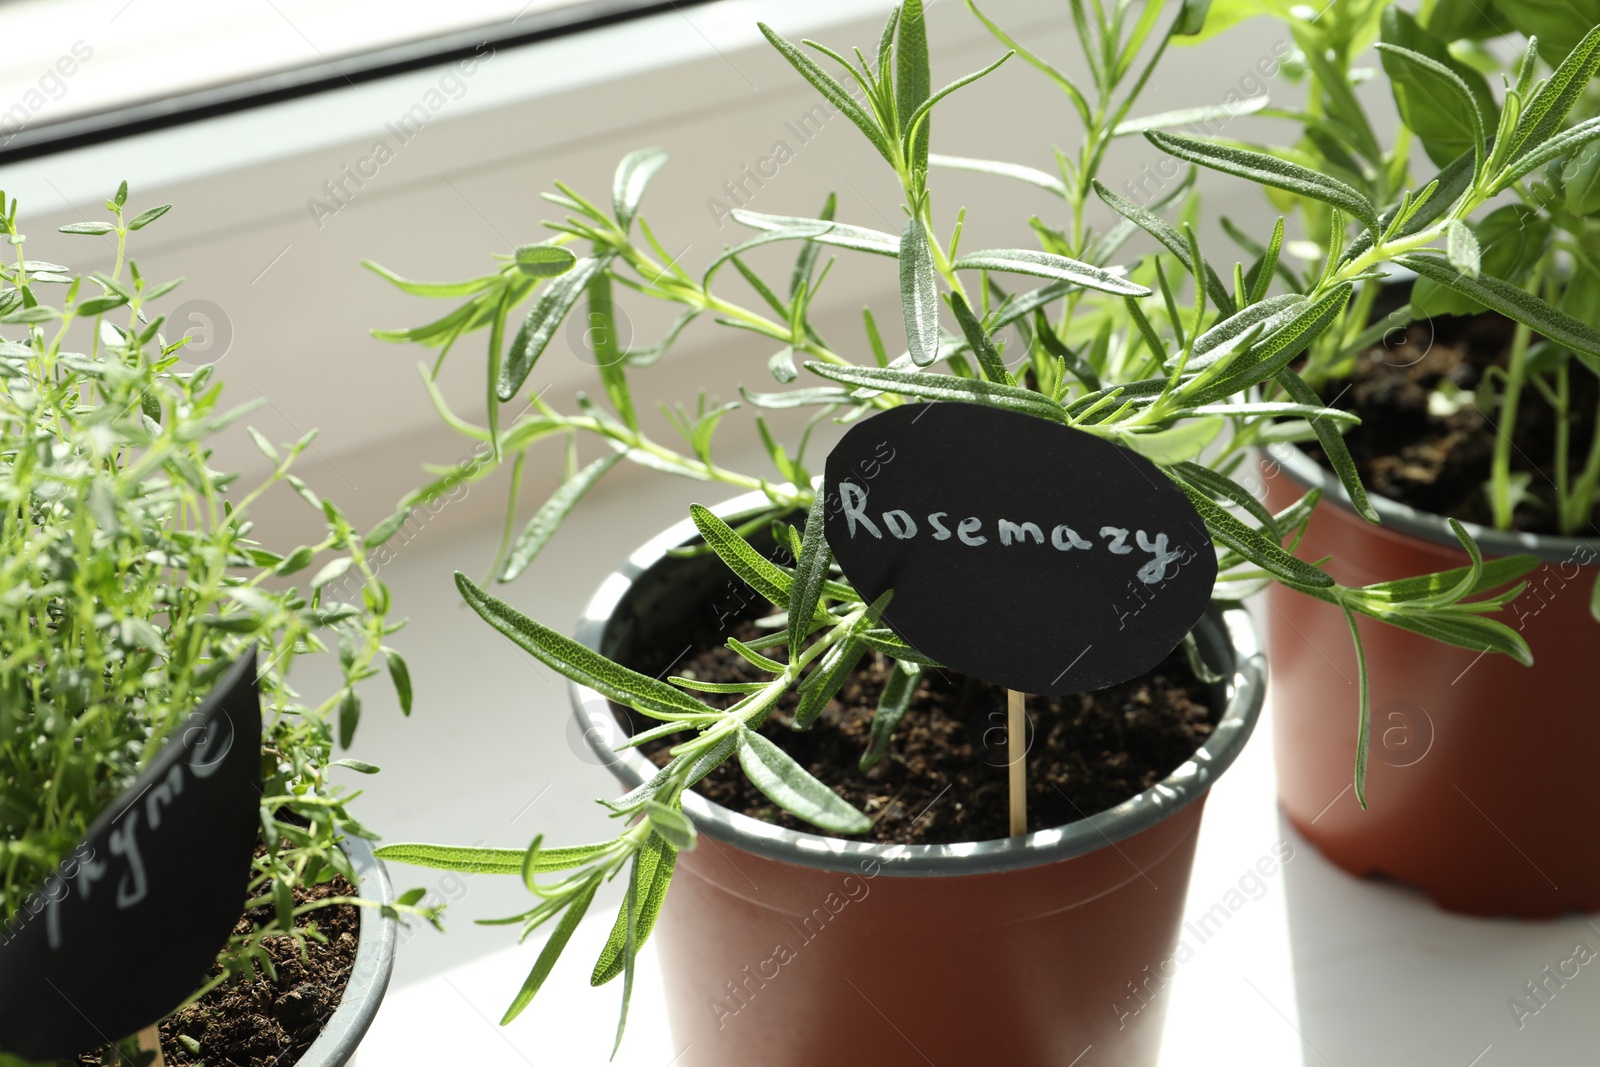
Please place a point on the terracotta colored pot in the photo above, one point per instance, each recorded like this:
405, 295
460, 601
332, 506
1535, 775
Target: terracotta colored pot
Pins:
783, 949
1480, 788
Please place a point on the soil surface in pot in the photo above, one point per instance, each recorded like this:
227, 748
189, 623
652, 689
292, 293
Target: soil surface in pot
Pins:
1437, 460
257, 1023
943, 778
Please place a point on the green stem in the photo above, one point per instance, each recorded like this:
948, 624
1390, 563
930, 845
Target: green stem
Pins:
1580, 505
1500, 468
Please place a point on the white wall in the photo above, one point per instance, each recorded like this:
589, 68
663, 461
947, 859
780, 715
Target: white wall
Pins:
700, 83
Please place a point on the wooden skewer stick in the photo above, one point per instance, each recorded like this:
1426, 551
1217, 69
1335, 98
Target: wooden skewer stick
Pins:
1017, 745
150, 1041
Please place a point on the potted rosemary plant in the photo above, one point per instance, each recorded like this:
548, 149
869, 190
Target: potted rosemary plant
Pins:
873, 780
1477, 385
133, 595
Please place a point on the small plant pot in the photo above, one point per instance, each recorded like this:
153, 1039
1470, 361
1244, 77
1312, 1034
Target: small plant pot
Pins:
369, 974
785, 949
1480, 784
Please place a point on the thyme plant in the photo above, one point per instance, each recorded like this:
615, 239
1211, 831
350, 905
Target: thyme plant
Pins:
1509, 226
1165, 355
129, 582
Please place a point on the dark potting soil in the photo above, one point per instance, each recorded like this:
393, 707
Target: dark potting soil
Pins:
1440, 463
260, 1023
944, 778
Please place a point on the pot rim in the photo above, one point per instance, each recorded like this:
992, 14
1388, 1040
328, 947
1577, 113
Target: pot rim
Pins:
1245, 689
1425, 525
369, 973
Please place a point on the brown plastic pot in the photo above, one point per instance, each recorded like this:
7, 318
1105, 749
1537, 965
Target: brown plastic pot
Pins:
784, 949
1480, 786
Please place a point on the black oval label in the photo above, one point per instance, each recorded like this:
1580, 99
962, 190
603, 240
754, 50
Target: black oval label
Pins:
156, 885
1020, 551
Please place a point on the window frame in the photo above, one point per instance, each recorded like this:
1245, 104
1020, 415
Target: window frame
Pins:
148, 115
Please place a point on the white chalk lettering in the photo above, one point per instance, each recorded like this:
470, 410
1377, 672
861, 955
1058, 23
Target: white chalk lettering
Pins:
1156, 569
900, 524
1066, 539
1119, 537
855, 498
124, 842
1010, 531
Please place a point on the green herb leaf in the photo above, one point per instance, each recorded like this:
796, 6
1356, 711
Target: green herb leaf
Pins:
792, 788
1332, 442
1191, 116
386, 529
1191, 18
810, 575
549, 311
919, 294
1049, 265
1514, 303
602, 334
843, 235
912, 81
1048, 182
333, 569
994, 367
758, 572
349, 716
1459, 583
1181, 442
400, 675
1175, 243
544, 260
1364, 727
829, 676
1459, 629
1251, 543
632, 177
1221, 487
836, 94
797, 398
917, 125
649, 695
652, 873
298, 560
1548, 108
435, 289
1227, 335
805, 262
1461, 247
1443, 101
1268, 170
781, 365
943, 387
146, 217
671, 824
1565, 143
552, 950
1580, 184
893, 702
1267, 356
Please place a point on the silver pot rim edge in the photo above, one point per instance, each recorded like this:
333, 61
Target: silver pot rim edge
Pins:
1245, 687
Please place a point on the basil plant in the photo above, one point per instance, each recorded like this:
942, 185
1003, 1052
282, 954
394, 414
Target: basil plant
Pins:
1496, 104
1162, 353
